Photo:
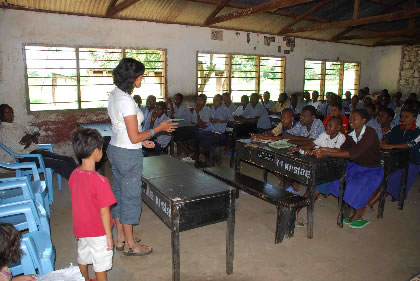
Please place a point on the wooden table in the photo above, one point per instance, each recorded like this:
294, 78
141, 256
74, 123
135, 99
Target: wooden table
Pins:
185, 198
307, 170
240, 129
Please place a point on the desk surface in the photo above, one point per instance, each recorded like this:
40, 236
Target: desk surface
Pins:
105, 129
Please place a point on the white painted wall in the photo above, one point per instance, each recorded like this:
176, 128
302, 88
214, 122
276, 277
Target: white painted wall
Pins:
181, 42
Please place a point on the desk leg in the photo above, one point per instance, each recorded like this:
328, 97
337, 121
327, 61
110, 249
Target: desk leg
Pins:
176, 262
230, 233
310, 210
233, 149
265, 175
403, 189
340, 201
381, 205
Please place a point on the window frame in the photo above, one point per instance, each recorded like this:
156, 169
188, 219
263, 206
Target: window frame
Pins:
78, 86
323, 75
229, 69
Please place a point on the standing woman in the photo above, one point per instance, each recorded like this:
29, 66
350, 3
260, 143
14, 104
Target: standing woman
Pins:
125, 153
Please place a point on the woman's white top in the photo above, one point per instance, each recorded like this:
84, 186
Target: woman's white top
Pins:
120, 105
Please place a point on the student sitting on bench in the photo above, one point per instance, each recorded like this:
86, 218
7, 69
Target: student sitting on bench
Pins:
161, 139
256, 112
335, 110
148, 111
178, 109
227, 102
287, 122
241, 108
385, 118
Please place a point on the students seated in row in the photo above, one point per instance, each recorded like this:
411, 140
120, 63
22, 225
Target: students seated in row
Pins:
335, 110
266, 102
354, 104
295, 105
161, 139
178, 109
345, 103
373, 122
241, 108
287, 122
364, 172
315, 102
201, 113
255, 111
282, 104
385, 117
148, 111
23, 140
227, 102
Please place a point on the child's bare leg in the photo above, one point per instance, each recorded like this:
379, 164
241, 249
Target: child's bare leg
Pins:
120, 231
358, 214
374, 198
296, 186
100, 276
84, 271
316, 195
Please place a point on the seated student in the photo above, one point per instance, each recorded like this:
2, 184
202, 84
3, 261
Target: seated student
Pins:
266, 102
256, 112
325, 107
295, 105
201, 113
407, 104
404, 136
306, 97
335, 110
138, 101
364, 173
227, 102
378, 108
373, 122
345, 103
216, 127
241, 108
24, 140
161, 140
386, 103
287, 122
282, 104
395, 101
315, 102
362, 93
385, 117
179, 110
353, 104
148, 111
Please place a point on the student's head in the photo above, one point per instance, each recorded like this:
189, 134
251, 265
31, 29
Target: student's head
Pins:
6, 113
384, 92
87, 143
354, 100
358, 118
128, 74
254, 99
294, 99
179, 98
362, 93
332, 98
366, 101
335, 109
306, 96
398, 95
307, 115
10, 251
217, 100
408, 117
378, 108
315, 95
283, 97
385, 117
387, 99
412, 96
367, 90
333, 125
202, 99
348, 95
244, 100
226, 98
266, 96
151, 102
370, 109
287, 117
160, 108
138, 100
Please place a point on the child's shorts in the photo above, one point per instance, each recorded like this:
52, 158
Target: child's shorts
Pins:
92, 250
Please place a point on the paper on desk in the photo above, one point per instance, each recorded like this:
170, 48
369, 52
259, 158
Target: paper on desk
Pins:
281, 144
71, 273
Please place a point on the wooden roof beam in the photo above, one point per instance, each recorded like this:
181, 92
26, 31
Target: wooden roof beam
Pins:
361, 21
110, 7
304, 15
273, 5
385, 34
121, 6
219, 7
356, 9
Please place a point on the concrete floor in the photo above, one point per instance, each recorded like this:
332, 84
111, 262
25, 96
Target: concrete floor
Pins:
387, 249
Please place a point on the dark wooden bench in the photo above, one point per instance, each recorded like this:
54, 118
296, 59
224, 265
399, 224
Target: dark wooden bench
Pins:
286, 202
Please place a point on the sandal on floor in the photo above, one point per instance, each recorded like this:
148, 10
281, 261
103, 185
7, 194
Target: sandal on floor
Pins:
143, 250
119, 246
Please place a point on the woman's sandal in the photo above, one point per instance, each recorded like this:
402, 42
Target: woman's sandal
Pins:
119, 246
144, 250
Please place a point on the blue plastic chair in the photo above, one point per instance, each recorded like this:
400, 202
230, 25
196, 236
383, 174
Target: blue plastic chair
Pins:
36, 186
47, 172
39, 253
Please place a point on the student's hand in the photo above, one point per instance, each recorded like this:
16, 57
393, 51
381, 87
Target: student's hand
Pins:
294, 150
109, 243
168, 126
30, 277
26, 140
320, 153
214, 120
385, 145
148, 144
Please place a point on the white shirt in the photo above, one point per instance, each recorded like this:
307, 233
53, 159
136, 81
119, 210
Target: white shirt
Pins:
315, 104
239, 110
120, 105
324, 140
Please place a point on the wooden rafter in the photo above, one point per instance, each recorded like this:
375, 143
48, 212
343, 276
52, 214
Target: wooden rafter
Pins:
121, 6
412, 20
407, 42
361, 21
273, 5
385, 34
304, 15
356, 9
219, 7
110, 7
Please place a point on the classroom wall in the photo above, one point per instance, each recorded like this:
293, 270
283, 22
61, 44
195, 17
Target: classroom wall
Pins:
182, 44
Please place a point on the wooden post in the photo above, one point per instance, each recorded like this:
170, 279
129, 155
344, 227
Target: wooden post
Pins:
322, 84
230, 232
341, 79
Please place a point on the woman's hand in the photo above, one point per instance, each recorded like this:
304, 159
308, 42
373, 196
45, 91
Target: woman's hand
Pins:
148, 144
168, 126
30, 277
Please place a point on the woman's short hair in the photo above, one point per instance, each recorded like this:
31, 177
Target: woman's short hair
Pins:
179, 95
161, 104
337, 105
204, 97
10, 251
126, 72
311, 109
362, 113
85, 141
389, 112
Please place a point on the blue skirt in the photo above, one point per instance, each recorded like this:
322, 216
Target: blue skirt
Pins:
394, 181
324, 188
361, 183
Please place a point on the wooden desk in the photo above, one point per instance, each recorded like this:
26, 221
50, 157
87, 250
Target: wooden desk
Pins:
307, 170
240, 129
185, 198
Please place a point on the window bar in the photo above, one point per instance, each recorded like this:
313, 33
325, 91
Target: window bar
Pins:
322, 84
229, 72
257, 74
79, 95
163, 78
357, 79
341, 79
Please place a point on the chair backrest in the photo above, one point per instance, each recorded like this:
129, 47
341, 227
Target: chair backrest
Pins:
20, 166
10, 152
15, 187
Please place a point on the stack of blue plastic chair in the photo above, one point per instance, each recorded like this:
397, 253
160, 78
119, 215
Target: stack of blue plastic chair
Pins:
47, 172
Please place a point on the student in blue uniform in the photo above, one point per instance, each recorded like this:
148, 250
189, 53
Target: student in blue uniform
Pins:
256, 112
227, 102
201, 113
179, 110
161, 139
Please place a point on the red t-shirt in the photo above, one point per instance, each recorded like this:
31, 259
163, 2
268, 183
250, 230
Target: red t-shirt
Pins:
345, 122
89, 193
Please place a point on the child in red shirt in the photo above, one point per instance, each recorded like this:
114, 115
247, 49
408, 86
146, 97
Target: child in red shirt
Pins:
335, 110
91, 197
